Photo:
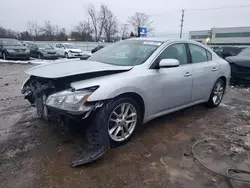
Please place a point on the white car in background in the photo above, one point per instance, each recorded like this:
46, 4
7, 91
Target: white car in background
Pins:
68, 50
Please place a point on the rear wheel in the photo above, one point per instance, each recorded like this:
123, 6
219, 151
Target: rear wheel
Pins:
217, 93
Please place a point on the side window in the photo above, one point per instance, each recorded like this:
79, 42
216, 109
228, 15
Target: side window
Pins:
198, 53
209, 56
175, 51
57, 45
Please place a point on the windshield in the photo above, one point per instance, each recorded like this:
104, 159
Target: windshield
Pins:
69, 46
245, 52
11, 42
126, 53
44, 46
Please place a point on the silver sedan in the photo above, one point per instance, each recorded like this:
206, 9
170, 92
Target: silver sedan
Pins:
129, 83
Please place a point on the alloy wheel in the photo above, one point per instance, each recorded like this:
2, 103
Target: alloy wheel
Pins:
122, 122
4, 56
218, 93
39, 56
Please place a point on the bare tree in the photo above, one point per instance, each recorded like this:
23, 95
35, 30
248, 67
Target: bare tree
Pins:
124, 31
110, 23
97, 20
48, 30
83, 30
140, 19
33, 28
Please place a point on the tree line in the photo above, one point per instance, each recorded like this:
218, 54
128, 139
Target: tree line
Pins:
101, 25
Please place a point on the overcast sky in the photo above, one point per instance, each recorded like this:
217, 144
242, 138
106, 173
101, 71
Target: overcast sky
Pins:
15, 14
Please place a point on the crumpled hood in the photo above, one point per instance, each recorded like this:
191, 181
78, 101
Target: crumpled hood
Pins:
70, 68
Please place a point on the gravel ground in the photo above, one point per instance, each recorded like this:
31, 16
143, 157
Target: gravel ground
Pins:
34, 154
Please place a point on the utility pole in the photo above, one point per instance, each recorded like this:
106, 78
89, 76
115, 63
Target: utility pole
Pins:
56, 32
182, 20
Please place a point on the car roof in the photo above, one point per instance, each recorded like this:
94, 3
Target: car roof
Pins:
164, 39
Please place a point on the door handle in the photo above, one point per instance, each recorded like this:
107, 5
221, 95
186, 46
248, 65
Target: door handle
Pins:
188, 74
214, 69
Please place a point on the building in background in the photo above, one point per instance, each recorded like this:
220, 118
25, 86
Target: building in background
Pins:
222, 36
200, 36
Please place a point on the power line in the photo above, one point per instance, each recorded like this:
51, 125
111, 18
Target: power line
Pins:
200, 9
218, 8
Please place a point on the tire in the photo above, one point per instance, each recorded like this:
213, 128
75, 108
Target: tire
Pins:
66, 55
40, 56
106, 115
217, 94
4, 56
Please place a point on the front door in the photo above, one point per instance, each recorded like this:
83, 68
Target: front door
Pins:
176, 82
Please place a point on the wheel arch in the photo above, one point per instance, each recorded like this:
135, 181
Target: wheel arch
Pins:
224, 79
137, 99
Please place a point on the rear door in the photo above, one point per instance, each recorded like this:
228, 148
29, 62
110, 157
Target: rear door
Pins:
176, 82
59, 49
205, 72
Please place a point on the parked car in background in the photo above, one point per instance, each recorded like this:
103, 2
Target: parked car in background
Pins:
97, 48
68, 50
42, 51
13, 49
240, 68
125, 84
226, 51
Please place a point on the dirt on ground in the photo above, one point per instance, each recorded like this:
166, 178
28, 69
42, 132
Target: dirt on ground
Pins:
35, 154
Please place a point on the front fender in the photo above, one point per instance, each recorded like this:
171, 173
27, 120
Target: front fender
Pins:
103, 93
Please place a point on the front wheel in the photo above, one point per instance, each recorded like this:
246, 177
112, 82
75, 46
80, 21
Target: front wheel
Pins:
4, 56
217, 94
120, 118
40, 56
66, 55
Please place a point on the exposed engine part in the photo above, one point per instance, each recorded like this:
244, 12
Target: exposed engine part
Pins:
39, 89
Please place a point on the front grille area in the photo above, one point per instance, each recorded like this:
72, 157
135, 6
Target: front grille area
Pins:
51, 52
20, 50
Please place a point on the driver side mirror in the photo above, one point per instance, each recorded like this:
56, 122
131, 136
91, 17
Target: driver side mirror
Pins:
169, 63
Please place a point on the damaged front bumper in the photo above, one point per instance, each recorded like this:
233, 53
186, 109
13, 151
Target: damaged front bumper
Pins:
67, 102
58, 106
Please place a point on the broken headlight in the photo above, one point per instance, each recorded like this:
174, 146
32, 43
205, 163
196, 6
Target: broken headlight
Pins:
70, 101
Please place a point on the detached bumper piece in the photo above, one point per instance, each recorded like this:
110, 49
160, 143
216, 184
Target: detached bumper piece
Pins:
98, 144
